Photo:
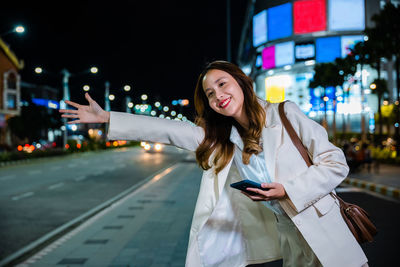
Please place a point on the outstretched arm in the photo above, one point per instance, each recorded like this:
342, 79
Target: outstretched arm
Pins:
125, 126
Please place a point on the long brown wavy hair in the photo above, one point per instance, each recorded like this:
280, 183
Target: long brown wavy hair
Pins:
217, 127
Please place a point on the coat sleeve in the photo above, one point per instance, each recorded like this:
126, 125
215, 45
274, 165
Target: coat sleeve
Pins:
126, 126
329, 169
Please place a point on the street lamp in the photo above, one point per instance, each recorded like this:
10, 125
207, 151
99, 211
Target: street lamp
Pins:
127, 88
111, 97
144, 97
18, 29
86, 87
94, 70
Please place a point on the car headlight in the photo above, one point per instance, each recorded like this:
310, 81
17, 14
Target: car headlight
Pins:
158, 147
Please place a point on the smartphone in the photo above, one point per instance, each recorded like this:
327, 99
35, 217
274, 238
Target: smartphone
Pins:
242, 185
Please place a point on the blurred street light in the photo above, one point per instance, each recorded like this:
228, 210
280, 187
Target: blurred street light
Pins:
38, 70
130, 105
144, 97
372, 86
127, 88
94, 70
111, 97
165, 108
173, 113
86, 88
157, 104
18, 29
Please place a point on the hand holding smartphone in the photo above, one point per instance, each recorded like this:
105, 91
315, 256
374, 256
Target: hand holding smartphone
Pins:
242, 185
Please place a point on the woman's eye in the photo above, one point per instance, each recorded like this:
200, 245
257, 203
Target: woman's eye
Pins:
221, 84
210, 94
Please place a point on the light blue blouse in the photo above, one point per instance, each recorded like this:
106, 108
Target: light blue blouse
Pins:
256, 170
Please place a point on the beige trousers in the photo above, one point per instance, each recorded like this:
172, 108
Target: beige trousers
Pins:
295, 250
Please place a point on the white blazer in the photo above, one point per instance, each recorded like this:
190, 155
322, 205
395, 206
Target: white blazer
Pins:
228, 229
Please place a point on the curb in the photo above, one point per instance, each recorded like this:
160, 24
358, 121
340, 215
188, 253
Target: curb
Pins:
377, 188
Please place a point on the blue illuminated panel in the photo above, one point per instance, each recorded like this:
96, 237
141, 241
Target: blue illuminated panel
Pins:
345, 15
280, 21
260, 28
328, 49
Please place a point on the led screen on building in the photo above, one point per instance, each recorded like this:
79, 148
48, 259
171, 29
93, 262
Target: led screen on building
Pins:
309, 16
304, 51
328, 49
260, 28
284, 54
348, 42
346, 15
280, 21
268, 57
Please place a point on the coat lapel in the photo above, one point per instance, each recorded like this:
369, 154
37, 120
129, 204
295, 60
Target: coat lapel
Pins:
272, 138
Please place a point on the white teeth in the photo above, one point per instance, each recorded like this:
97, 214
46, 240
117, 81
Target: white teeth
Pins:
223, 104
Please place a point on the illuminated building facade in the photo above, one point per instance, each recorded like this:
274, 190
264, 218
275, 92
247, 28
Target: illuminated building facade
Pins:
283, 40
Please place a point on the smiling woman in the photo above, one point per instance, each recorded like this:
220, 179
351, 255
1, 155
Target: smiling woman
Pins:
240, 136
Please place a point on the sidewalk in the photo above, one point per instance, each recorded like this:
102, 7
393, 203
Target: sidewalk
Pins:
385, 180
148, 227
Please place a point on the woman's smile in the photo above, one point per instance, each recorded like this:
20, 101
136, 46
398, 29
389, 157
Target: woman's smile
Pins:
225, 103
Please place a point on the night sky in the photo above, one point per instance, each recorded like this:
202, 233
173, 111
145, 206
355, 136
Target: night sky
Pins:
157, 47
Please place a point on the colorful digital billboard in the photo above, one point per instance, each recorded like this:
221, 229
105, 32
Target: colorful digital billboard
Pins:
260, 28
345, 15
284, 54
309, 16
328, 49
304, 51
348, 42
268, 57
280, 21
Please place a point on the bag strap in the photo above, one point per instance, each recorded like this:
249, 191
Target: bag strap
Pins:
293, 135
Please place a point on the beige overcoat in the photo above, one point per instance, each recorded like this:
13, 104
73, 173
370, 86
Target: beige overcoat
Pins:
230, 230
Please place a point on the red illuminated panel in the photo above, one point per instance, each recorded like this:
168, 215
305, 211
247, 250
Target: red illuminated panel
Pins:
309, 16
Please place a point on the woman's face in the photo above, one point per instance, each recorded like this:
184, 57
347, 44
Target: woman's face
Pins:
223, 93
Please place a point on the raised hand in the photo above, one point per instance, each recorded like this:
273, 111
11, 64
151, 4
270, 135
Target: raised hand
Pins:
92, 113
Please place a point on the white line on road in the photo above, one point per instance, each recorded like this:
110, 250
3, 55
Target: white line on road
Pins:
7, 177
54, 186
28, 194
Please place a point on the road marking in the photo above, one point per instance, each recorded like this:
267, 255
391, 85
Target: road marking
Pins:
54, 186
25, 195
7, 177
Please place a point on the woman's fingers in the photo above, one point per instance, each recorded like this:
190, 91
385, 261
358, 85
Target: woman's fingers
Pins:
72, 104
74, 111
89, 99
75, 121
258, 191
69, 116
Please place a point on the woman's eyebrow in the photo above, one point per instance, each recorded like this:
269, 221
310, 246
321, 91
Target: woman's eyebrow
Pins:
216, 81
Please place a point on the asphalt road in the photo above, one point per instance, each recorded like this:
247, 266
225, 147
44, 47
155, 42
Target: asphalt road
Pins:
37, 198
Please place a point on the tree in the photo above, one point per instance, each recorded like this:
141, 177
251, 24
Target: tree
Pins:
387, 29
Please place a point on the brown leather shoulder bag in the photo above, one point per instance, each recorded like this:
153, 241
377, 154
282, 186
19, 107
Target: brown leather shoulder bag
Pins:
356, 218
